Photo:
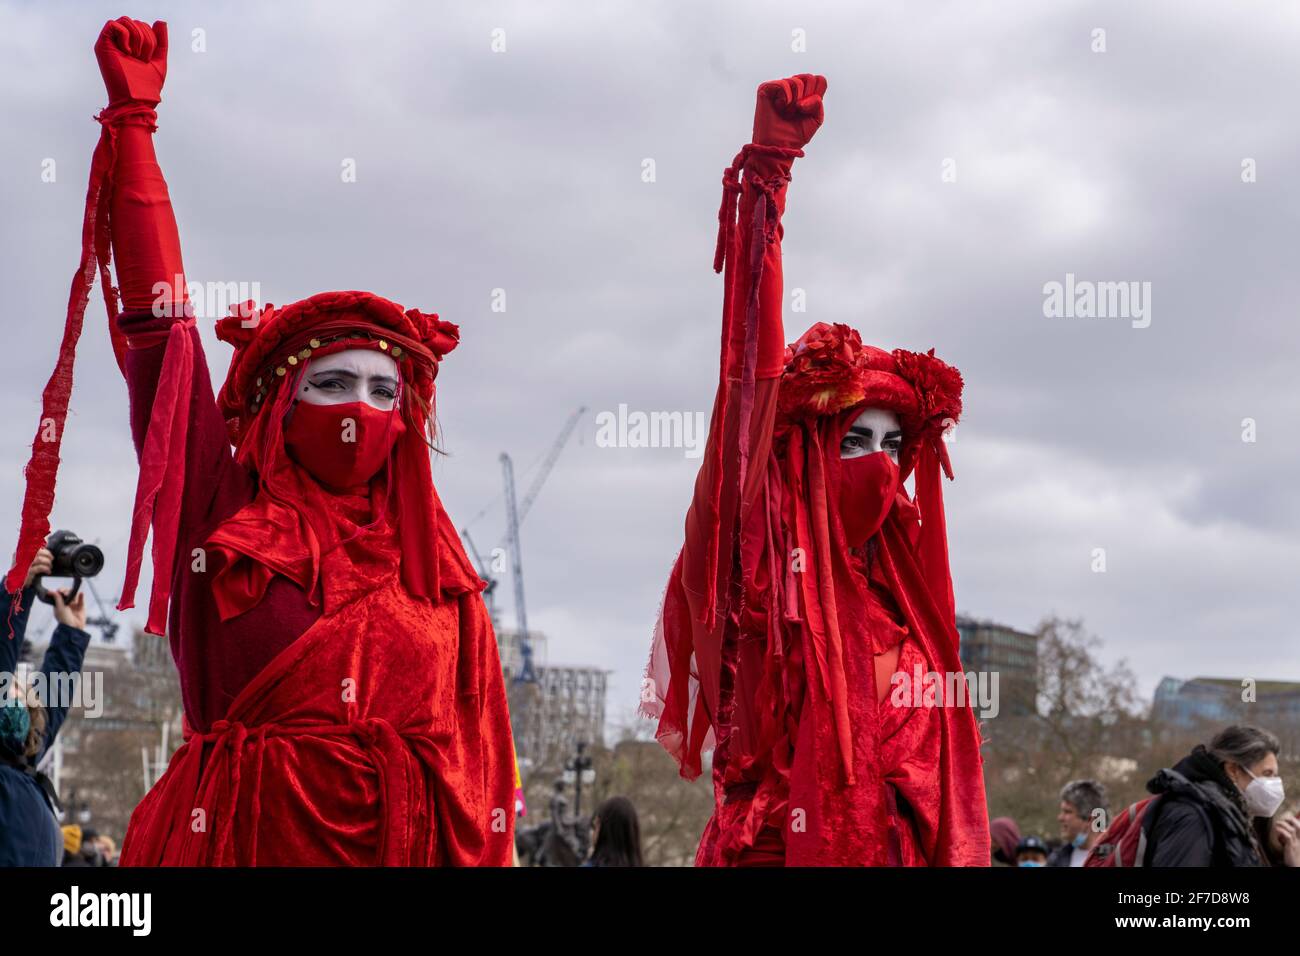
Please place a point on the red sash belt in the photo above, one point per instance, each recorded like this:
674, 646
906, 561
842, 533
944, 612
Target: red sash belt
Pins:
216, 787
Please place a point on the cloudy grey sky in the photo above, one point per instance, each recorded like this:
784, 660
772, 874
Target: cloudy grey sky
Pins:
522, 170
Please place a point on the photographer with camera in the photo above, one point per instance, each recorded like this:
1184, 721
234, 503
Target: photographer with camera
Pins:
29, 830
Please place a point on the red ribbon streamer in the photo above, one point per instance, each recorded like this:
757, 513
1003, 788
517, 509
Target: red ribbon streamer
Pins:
43, 467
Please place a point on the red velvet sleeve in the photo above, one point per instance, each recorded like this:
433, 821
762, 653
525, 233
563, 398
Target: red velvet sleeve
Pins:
770, 175
766, 178
215, 485
186, 466
146, 242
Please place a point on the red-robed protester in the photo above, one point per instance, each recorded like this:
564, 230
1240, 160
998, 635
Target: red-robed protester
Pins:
812, 588
344, 701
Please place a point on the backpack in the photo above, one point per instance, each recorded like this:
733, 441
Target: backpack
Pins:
1125, 841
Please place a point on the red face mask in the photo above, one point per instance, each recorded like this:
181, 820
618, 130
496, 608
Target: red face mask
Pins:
342, 446
868, 486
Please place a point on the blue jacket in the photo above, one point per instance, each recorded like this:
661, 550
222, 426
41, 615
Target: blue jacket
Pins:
29, 833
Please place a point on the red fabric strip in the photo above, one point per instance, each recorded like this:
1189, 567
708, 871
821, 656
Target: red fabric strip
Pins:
43, 467
162, 478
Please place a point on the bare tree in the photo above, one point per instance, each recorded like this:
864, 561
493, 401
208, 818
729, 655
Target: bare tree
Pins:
1088, 723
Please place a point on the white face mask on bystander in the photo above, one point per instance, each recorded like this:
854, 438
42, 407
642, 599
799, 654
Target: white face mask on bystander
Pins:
1263, 795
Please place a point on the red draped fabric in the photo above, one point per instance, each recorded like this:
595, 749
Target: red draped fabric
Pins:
772, 629
378, 737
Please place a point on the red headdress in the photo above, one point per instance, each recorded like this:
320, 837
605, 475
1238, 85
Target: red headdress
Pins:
268, 339
293, 520
829, 378
830, 373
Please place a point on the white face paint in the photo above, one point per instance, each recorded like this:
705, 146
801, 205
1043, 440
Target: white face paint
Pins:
353, 375
876, 429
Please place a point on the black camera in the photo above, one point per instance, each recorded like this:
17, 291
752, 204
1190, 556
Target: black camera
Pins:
73, 558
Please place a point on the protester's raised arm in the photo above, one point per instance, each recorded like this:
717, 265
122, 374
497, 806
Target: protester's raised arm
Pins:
178, 430
786, 116
146, 242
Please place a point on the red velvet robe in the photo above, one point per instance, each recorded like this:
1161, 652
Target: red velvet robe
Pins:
380, 736
370, 728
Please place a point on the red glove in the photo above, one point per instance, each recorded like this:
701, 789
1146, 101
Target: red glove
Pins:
133, 60
789, 111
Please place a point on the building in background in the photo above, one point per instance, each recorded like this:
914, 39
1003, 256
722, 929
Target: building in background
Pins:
510, 648
103, 763
1205, 702
564, 707
1013, 655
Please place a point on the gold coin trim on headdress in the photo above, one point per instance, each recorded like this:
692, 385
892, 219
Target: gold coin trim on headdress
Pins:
305, 353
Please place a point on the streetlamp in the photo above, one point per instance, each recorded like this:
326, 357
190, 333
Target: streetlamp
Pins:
579, 771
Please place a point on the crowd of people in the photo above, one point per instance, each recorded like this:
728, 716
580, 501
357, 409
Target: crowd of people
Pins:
1216, 807
86, 846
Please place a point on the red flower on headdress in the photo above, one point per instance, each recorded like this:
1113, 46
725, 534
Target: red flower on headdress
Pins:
241, 325
823, 371
441, 337
937, 384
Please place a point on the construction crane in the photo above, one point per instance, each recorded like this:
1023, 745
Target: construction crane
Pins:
485, 573
515, 515
108, 626
526, 672
547, 464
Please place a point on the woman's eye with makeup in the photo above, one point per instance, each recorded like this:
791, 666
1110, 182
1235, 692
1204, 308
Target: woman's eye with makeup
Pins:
851, 443
384, 392
328, 385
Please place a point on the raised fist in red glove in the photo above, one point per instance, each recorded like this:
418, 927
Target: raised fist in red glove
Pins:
789, 111
133, 60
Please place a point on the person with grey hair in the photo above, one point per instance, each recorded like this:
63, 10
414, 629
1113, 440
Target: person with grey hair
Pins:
1214, 805
1081, 823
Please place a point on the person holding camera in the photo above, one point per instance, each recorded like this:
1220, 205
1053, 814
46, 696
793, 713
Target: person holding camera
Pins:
29, 830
